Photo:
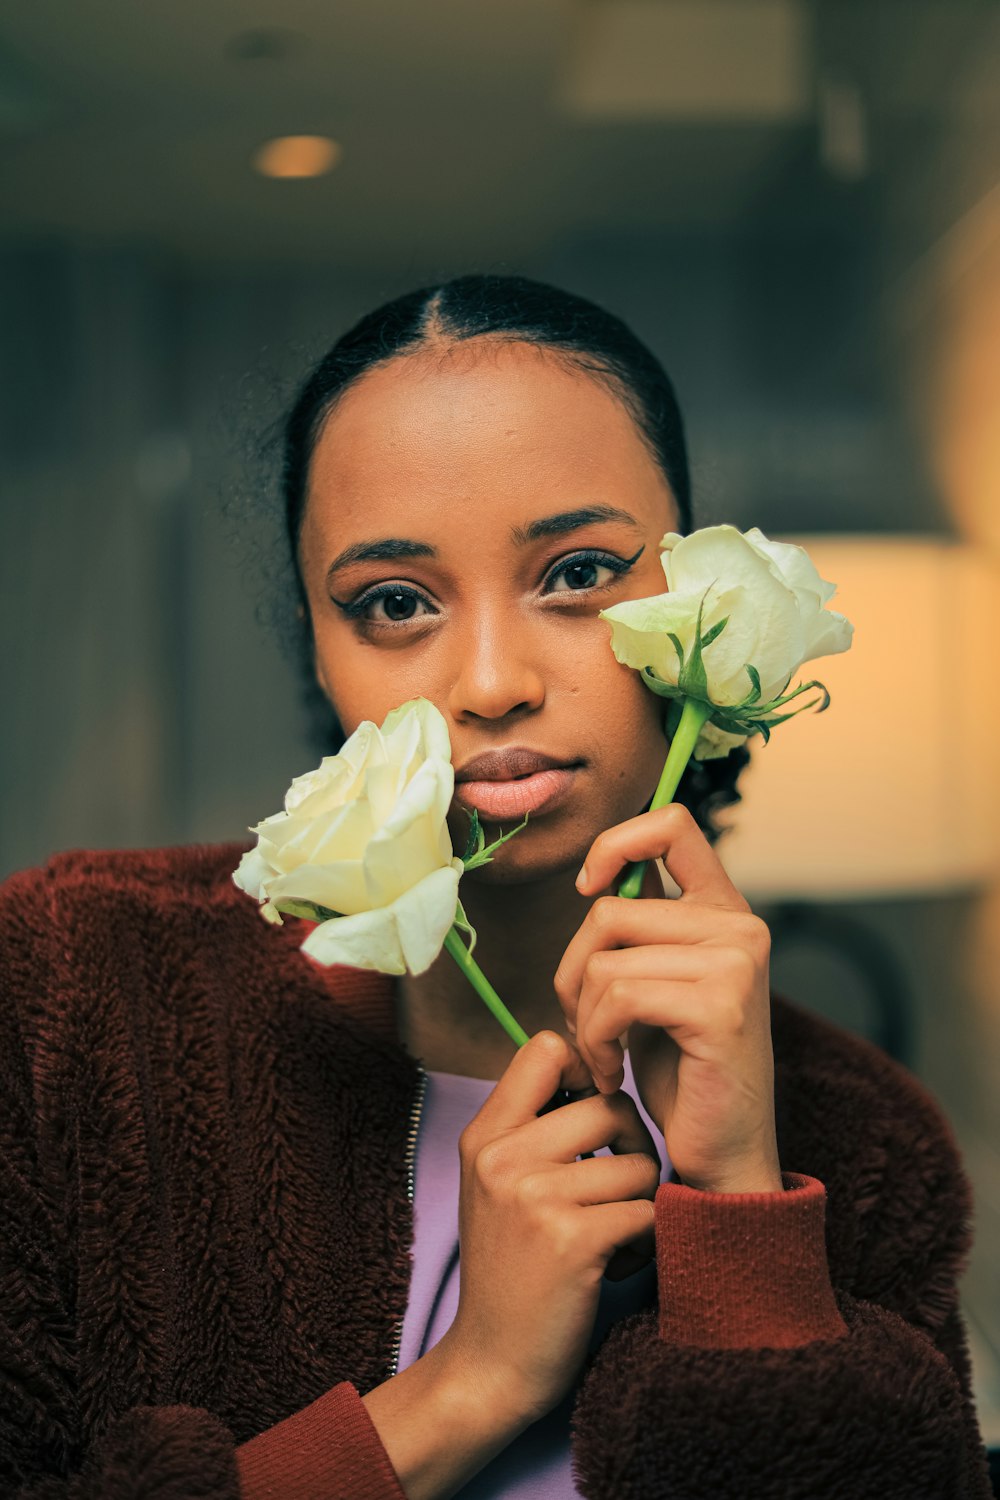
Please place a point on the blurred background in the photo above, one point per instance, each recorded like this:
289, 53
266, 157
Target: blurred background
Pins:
796, 203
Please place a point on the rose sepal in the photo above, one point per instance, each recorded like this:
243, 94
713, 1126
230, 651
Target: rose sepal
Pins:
476, 851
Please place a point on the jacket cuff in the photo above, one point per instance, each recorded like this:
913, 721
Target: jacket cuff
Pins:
745, 1270
329, 1448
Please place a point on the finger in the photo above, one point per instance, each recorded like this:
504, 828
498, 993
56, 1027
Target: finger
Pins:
613, 922
658, 961
622, 1227
678, 1007
547, 1062
669, 833
601, 1179
588, 1125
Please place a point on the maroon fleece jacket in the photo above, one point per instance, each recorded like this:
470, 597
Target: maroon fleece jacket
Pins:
206, 1228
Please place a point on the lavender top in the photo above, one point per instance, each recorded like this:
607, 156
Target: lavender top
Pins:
536, 1466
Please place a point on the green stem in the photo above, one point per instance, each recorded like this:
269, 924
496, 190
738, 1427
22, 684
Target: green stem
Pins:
693, 716
456, 946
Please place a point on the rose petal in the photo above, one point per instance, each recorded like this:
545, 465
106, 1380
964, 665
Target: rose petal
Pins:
341, 833
639, 631
434, 738
317, 790
383, 786
408, 845
424, 916
717, 555
252, 870
368, 940
830, 633
796, 568
407, 934
340, 885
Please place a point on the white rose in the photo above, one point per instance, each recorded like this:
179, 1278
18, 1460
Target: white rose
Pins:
365, 836
772, 599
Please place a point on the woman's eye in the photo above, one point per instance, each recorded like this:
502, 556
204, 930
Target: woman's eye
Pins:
392, 604
579, 575
585, 572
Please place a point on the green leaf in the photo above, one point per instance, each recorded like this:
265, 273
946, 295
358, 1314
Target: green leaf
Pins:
780, 718
693, 679
826, 695
464, 925
715, 631
677, 647
731, 723
658, 686
752, 696
787, 697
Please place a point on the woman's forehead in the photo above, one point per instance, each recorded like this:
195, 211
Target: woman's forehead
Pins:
496, 428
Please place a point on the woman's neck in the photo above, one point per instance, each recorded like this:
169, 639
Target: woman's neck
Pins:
522, 932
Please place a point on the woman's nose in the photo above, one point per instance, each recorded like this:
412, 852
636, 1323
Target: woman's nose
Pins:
495, 673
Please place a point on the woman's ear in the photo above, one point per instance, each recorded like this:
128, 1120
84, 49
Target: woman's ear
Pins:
320, 678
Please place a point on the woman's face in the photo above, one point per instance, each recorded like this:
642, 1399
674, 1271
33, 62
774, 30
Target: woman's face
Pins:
457, 545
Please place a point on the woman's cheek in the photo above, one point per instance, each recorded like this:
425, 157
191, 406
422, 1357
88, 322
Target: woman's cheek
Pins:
627, 730
626, 709
357, 686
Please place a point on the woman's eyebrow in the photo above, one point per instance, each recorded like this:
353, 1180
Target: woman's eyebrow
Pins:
387, 549
571, 520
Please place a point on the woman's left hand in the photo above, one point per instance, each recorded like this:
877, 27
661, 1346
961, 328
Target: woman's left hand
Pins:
688, 980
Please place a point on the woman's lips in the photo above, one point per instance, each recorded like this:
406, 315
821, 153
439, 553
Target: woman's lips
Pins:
539, 792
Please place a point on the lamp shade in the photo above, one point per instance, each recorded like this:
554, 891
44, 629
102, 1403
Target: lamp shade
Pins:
895, 788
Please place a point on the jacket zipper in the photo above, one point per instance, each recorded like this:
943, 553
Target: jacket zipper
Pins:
410, 1163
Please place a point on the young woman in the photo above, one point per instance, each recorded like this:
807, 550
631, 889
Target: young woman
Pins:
235, 1183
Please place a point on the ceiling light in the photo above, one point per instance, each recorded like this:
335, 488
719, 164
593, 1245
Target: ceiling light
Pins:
297, 156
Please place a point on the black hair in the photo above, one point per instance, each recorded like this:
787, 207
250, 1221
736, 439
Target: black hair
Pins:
512, 309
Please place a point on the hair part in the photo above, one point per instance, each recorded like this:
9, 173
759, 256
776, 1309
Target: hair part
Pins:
512, 309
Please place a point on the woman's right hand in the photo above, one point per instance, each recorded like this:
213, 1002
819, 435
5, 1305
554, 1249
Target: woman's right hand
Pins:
538, 1228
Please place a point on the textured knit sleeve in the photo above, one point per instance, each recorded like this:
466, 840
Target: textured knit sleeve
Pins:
50, 1447
757, 1377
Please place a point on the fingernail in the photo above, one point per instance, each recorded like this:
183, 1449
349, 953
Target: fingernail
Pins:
581, 879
